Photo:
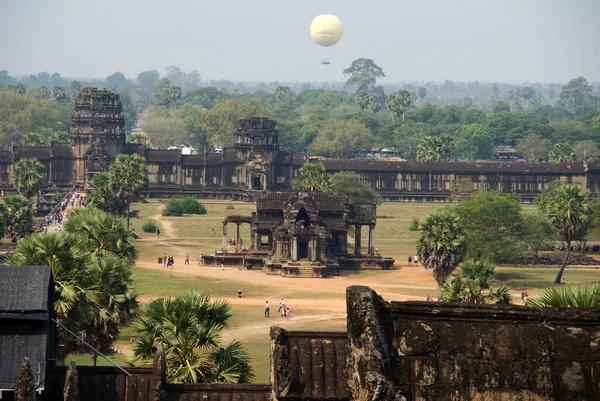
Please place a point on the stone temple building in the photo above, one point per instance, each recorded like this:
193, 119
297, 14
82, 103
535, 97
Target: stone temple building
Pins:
256, 163
304, 234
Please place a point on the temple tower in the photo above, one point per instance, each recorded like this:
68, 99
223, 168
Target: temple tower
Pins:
257, 143
97, 134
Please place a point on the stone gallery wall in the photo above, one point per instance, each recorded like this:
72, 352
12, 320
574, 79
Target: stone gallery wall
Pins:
436, 351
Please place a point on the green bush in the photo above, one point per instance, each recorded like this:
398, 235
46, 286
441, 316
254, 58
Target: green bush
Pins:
173, 208
414, 225
149, 226
192, 206
229, 206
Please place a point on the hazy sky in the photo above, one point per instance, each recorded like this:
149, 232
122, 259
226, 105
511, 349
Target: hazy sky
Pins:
268, 40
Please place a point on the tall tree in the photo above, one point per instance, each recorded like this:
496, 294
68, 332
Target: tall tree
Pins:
474, 283
474, 142
101, 196
585, 150
115, 82
312, 177
569, 214
493, 225
362, 100
442, 243
576, 93
146, 80
348, 182
468, 102
422, 93
128, 177
189, 328
534, 148
282, 92
363, 74
375, 102
338, 138
29, 176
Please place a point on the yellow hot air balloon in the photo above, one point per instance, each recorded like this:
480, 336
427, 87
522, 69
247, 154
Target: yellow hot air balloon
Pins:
326, 30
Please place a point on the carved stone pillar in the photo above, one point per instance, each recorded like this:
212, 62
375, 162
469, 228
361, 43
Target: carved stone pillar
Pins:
237, 237
224, 243
252, 241
294, 249
357, 239
371, 240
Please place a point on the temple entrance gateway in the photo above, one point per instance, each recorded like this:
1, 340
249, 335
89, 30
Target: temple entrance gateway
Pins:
256, 181
302, 249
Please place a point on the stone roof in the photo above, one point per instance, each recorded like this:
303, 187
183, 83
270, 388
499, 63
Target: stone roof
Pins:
163, 156
214, 158
365, 213
449, 167
325, 201
192, 160
62, 150
37, 152
6, 156
229, 155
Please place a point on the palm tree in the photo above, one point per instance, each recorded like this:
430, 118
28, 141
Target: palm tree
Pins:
282, 92
562, 153
100, 195
362, 100
105, 234
67, 257
29, 176
393, 104
128, 177
474, 283
442, 243
446, 147
376, 102
19, 215
428, 150
567, 296
569, 214
189, 328
422, 92
115, 304
93, 296
312, 177
405, 100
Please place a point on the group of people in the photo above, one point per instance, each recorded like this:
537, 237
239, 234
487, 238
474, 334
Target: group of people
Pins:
75, 201
283, 309
168, 262
415, 260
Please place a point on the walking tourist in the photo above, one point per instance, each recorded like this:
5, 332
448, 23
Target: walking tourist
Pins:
267, 310
187, 259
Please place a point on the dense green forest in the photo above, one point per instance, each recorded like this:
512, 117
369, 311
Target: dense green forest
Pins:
421, 121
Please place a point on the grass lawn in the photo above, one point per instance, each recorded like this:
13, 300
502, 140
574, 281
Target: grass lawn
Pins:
317, 304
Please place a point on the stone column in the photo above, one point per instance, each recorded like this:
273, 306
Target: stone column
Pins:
237, 237
252, 242
371, 240
357, 239
224, 243
314, 249
256, 240
294, 249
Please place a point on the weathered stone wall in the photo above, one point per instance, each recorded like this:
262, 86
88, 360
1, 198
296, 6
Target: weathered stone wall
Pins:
431, 351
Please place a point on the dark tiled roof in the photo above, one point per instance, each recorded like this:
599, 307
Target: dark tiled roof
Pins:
449, 167
17, 342
62, 150
214, 158
24, 288
38, 152
229, 156
133, 148
163, 156
325, 201
192, 160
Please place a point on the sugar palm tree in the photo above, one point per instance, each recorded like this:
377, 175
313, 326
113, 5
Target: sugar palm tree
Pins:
312, 177
567, 296
29, 176
18, 215
562, 153
428, 150
405, 100
474, 283
189, 328
442, 244
105, 233
569, 214
362, 100
128, 177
